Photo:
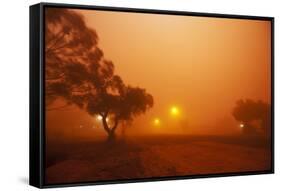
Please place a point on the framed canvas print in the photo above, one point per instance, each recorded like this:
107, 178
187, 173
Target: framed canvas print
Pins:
122, 95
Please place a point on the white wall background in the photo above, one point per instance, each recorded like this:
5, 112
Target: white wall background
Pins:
14, 88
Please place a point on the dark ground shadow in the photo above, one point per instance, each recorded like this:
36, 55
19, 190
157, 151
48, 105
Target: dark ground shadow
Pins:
24, 180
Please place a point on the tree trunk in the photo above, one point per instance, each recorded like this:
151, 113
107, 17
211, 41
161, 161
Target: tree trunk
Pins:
111, 137
110, 131
249, 129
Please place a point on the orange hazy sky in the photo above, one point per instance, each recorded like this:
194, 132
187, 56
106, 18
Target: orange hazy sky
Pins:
202, 65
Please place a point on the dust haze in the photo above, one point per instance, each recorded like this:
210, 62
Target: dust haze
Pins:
182, 92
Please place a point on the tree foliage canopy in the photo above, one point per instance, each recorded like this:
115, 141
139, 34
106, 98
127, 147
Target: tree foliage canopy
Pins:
249, 110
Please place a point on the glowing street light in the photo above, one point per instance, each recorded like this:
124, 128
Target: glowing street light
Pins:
156, 122
99, 118
174, 111
241, 125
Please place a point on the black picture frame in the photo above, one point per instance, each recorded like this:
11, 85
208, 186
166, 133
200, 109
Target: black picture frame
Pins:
37, 97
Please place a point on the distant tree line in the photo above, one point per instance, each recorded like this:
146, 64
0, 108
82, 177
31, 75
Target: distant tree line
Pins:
254, 115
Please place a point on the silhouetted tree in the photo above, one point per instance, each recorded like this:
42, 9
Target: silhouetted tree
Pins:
115, 108
77, 72
246, 111
70, 47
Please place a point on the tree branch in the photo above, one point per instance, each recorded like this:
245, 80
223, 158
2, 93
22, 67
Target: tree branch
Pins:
61, 76
57, 108
105, 126
60, 36
115, 125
